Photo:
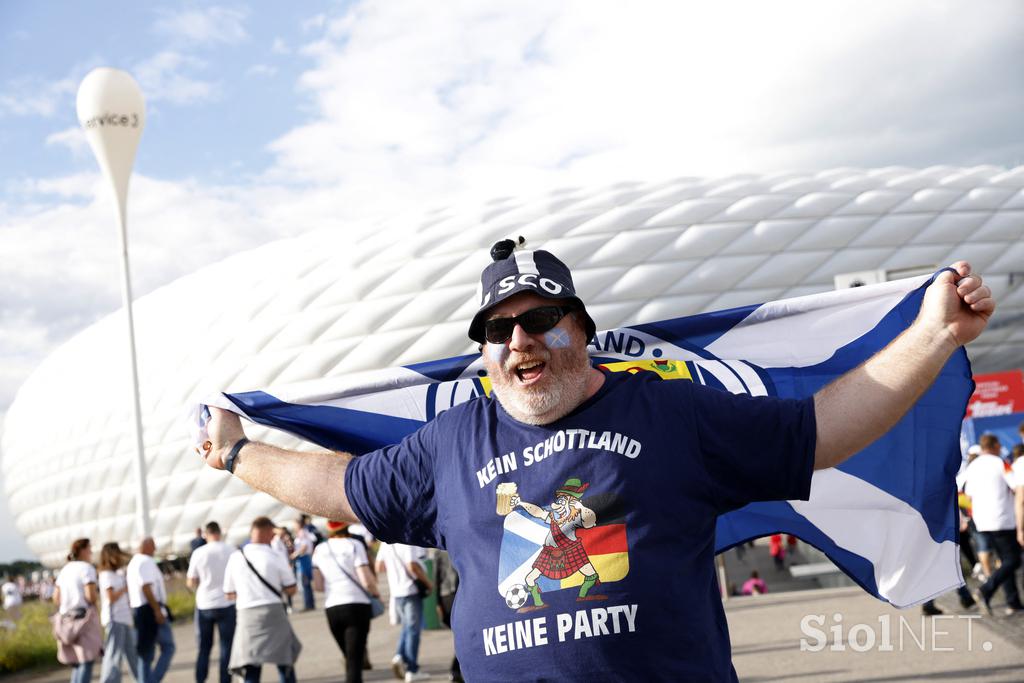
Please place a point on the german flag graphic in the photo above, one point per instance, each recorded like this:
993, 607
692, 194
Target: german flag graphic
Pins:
606, 545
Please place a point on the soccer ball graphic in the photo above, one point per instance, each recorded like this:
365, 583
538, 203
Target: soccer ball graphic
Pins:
516, 596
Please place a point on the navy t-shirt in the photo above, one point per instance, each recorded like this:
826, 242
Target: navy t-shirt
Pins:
627, 487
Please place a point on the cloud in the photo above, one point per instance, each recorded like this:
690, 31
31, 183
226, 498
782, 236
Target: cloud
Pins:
80, 186
209, 26
35, 97
314, 23
484, 97
164, 76
261, 71
72, 138
279, 47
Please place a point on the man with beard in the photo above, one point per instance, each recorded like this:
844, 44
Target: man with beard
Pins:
699, 453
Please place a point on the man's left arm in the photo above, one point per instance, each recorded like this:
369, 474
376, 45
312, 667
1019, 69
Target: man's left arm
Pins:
416, 569
1020, 513
587, 516
865, 403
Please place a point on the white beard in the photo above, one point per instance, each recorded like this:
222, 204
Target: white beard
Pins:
543, 406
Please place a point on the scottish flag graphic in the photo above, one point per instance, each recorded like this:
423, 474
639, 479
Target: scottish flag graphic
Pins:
887, 516
606, 546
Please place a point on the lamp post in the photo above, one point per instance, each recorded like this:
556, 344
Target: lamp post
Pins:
112, 112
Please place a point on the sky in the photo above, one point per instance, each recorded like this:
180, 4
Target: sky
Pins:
270, 120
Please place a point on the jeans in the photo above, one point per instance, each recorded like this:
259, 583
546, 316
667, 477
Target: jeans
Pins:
350, 625
81, 673
1005, 545
304, 570
223, 618
447, 605
410, 612
120, 644
285, 673
148, 673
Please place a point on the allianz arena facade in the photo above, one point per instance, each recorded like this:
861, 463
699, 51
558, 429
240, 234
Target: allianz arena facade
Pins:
326, 304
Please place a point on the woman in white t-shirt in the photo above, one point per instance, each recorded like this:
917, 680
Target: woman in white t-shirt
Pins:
77, 596
116, 616
338, 564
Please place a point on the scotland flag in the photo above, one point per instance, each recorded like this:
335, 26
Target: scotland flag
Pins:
887, 516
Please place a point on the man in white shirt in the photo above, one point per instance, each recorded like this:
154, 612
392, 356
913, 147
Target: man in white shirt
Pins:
147, 596
303, 557
403, 564
12, 598
1018, 482
206, 577
257, 578
989, 484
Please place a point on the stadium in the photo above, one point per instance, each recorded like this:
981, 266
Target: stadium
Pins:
331, 303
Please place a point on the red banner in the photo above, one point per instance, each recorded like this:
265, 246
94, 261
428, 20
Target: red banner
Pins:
1001, 393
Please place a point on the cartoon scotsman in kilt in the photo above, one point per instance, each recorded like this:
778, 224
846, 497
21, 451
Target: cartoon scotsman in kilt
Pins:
562, 554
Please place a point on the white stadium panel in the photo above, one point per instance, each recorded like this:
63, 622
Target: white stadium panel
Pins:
332, 302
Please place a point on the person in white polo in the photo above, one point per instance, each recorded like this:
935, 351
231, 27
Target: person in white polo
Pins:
213, 610
147, 596
257, 578
989, 484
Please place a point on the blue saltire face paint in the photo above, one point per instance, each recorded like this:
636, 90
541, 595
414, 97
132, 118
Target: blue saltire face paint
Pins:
557, 338
498, 353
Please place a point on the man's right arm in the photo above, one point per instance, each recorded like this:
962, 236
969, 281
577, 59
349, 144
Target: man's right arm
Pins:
192, 575
531, 509
158, 612
311, 482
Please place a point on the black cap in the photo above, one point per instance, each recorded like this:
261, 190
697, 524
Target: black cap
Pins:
539, 272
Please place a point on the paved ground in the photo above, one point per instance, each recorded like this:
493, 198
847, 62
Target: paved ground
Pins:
766, 633
958, 646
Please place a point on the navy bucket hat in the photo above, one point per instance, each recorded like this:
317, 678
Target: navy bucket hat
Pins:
518, 270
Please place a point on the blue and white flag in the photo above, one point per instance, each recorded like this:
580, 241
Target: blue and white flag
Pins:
887, 517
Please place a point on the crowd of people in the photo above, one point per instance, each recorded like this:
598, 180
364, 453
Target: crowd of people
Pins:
992, 519
116, 612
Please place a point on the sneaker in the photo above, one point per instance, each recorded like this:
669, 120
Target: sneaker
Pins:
398, 667
978, 573
1013, 609
983, 600
416, 676
967, 602
929, 609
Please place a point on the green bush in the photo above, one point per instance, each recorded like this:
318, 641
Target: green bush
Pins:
182, 604
31, 642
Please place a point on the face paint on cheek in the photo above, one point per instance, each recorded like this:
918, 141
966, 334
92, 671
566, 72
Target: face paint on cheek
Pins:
497, 353
556, 338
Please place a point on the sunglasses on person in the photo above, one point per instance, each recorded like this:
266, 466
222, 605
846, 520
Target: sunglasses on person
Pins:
534, 321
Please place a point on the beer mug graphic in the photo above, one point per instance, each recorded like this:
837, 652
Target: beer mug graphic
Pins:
505, 493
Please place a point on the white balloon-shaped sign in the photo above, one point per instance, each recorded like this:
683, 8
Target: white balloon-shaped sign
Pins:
112, 112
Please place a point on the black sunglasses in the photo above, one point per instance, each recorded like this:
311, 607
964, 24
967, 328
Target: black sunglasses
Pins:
534, 321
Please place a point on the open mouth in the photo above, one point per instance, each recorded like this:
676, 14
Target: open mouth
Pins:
530, 371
